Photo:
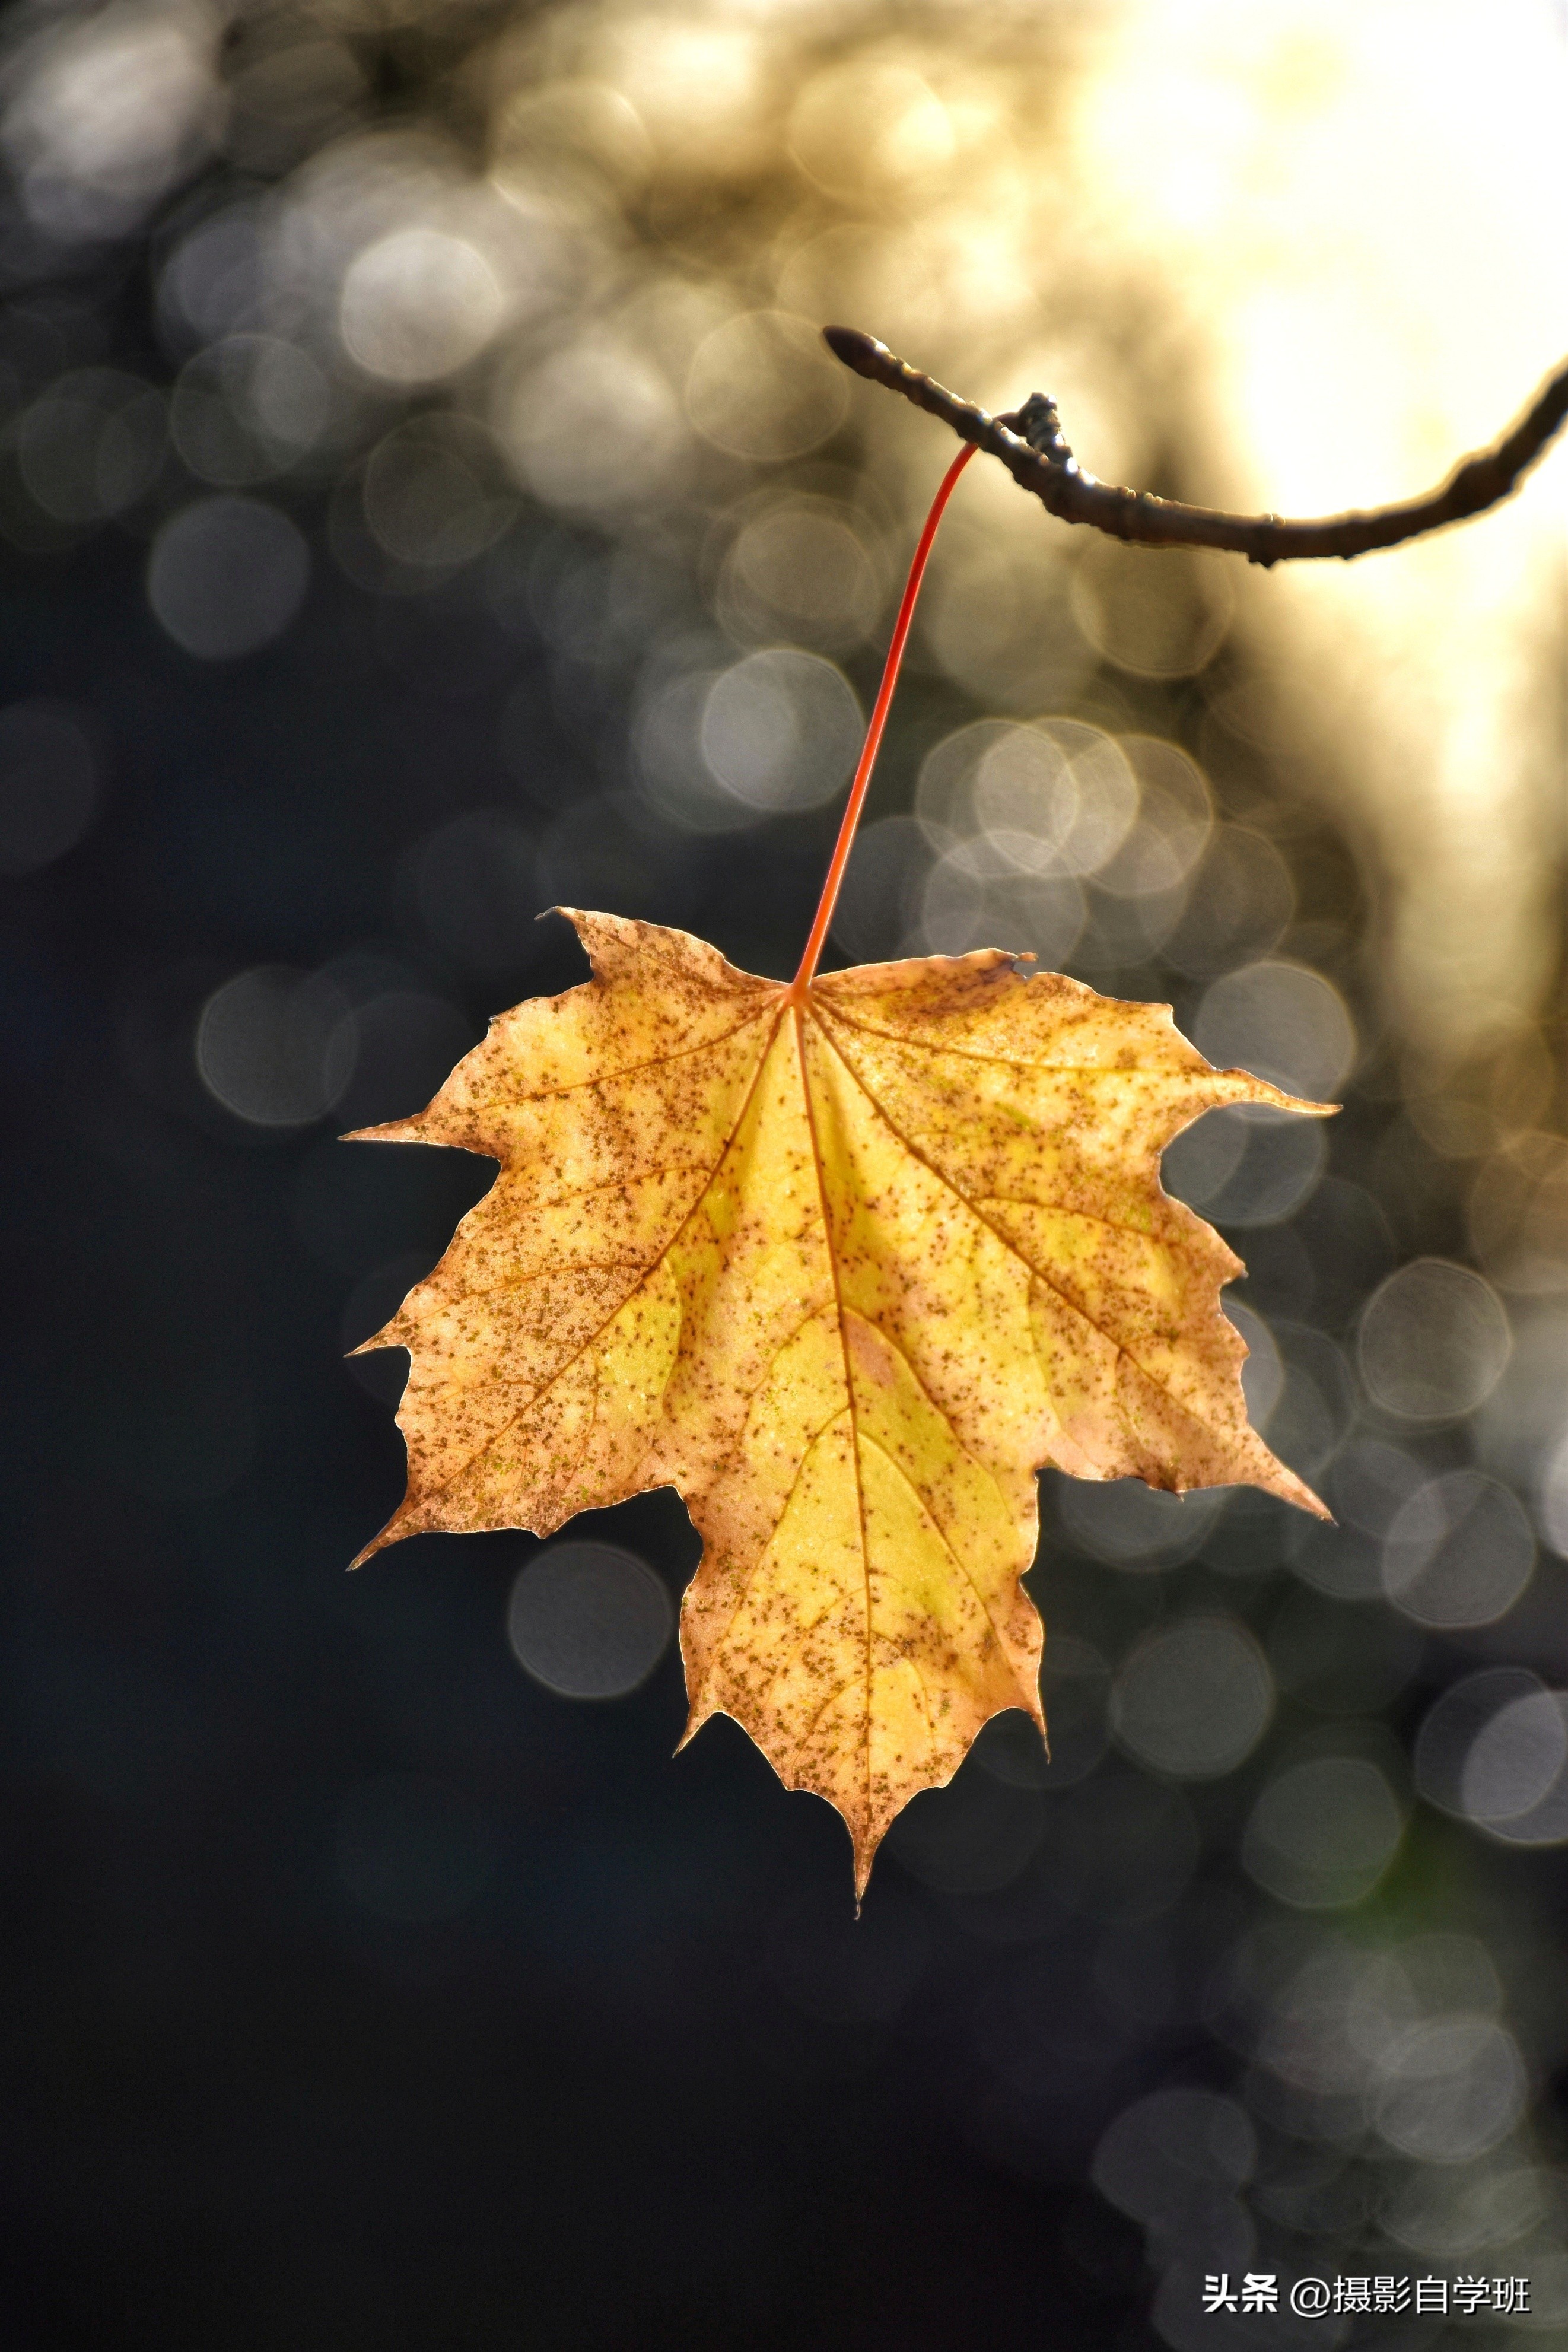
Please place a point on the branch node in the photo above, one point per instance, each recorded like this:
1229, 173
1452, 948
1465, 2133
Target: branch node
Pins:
1031, 446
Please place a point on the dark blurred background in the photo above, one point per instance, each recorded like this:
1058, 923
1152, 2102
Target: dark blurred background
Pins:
424, 498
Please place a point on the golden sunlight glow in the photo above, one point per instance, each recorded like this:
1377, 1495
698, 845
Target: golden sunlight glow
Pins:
1357, 215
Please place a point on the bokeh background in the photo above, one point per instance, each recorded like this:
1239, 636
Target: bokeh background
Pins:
424, 498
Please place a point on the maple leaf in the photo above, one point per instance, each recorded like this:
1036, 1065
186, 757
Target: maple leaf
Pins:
845, 1265
845, 1262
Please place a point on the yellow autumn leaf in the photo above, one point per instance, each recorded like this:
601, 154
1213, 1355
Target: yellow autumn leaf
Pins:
846, 1263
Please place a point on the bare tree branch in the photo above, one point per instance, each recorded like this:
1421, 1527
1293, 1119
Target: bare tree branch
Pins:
1031, 446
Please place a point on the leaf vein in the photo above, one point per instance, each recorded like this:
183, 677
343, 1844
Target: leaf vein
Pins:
927, 1513
632, 1069
1038, 1273
651, 1267
818, 1164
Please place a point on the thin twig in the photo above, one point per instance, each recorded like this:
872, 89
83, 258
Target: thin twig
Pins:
1031, 446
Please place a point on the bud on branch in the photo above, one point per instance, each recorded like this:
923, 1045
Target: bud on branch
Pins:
1030, 444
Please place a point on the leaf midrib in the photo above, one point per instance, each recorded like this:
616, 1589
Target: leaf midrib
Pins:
923, 1158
